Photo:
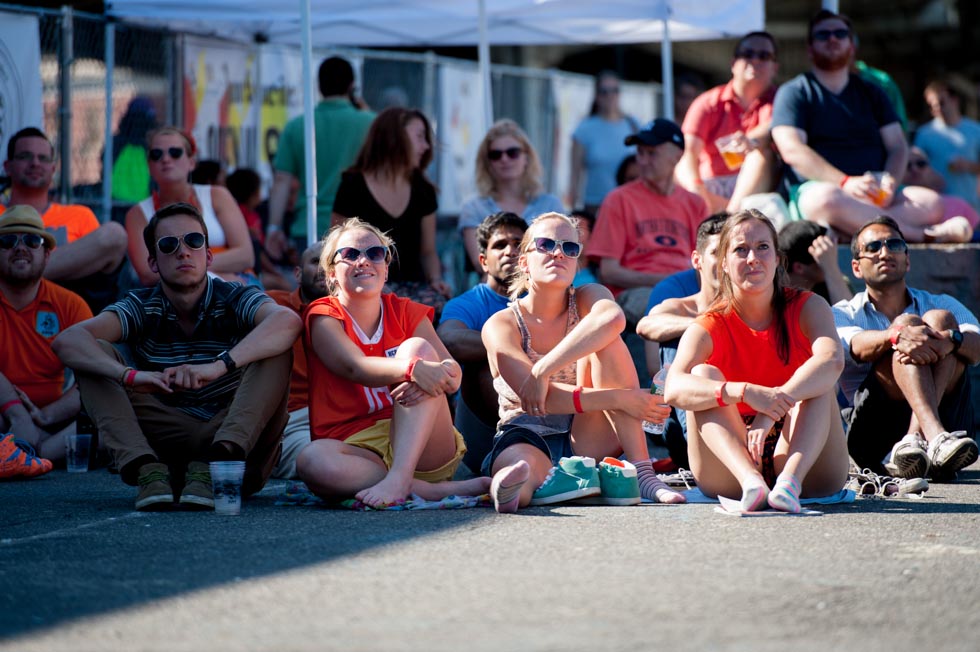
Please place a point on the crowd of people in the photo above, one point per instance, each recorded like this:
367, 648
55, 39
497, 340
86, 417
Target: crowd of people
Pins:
203, 329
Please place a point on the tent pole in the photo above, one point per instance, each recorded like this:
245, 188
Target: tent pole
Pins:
110, 65
484, 56
667, 63
309, 128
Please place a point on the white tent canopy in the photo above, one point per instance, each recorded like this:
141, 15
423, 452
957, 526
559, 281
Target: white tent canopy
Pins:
331, 23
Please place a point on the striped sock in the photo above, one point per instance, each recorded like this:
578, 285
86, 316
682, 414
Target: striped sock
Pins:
506, 497
785, 496
754, 496
652, 487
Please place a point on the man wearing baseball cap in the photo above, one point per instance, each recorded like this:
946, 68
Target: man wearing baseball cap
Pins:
34, 410
647, 228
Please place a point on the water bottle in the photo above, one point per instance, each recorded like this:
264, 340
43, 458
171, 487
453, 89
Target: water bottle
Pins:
657, 388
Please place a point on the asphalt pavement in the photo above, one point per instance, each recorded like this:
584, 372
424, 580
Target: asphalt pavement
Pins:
82, 571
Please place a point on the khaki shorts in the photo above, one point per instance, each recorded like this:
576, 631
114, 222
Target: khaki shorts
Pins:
375, 439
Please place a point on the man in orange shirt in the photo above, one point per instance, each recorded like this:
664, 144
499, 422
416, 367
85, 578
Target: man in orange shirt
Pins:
312, 286
33, 405
87, 256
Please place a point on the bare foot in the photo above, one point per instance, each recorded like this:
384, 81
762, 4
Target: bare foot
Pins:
440, 490
391, 490
955, 229
505, 489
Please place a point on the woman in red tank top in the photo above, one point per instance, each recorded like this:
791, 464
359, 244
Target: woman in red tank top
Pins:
758, 374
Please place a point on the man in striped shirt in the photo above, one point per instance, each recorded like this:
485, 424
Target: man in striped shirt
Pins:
905, 373
210, 375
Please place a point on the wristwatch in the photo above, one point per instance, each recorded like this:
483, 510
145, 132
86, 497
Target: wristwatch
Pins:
956, 337
225, 357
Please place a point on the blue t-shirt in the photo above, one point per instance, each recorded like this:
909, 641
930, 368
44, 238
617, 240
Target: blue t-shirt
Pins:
676, 286
843, 129
474, 307
602, 142
476, 209
942, 143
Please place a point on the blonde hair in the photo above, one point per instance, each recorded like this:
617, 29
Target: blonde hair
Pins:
530, 181
331, 240
520, 280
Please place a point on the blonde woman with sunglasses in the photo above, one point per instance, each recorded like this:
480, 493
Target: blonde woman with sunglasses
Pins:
565, 380
171, 158
508, 178
379, 378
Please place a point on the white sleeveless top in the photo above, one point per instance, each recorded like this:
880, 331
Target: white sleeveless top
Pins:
216, 235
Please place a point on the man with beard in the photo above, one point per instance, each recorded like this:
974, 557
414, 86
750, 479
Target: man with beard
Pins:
906, 354
499, 238
88, 256
845, 147
312, 286
34, 407
211, 363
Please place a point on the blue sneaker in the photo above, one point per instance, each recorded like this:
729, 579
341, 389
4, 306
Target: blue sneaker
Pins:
574, 477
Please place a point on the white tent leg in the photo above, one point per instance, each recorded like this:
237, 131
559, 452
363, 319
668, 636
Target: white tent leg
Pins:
483, 51
309, 128
667, 64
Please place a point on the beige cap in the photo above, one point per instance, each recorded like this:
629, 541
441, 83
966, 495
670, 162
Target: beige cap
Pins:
24, 219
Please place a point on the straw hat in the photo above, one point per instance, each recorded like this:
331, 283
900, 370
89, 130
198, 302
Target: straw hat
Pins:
24, 219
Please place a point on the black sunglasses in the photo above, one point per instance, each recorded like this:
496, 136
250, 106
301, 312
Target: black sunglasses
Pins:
825, 34
607, 90
169, 244
894, 245
511, 152
11, 240
549, 246
175, 153
758, 55
375, 254
920, 164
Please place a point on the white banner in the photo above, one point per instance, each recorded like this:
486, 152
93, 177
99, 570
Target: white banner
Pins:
221, 105
20, 76
573, 99
281, 96
459, 135
638, 100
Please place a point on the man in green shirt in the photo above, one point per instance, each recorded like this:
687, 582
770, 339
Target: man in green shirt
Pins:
340, 131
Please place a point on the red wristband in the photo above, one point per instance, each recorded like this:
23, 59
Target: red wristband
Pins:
411, 368
9, 404
843, 181
131, 377
894, 334
577, 400
718, 395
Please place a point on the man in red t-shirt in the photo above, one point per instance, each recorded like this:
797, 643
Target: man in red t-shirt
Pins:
312, 286
727, 153
87, 256
33, 403
647, 228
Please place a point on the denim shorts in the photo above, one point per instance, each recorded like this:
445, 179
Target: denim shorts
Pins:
551, 434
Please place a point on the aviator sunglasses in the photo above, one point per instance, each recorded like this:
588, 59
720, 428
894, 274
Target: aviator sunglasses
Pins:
169, 244
175, 153
11, 240
825, 34
375, 254
549, 246
894, 245
512, 153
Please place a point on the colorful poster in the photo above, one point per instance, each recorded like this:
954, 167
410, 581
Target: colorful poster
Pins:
20, 76
281, 97
458, 135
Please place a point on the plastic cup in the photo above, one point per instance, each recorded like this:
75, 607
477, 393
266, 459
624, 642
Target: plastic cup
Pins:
77, 450
732, 149
226, 483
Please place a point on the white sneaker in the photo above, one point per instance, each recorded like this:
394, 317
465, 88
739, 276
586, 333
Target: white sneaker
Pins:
951, 451
909, 457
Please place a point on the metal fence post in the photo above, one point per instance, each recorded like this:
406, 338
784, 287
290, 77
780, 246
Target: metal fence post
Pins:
110, 61
64, 109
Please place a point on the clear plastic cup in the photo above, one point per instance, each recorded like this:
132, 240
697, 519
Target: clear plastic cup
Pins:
732, 149
226, 483
78, 448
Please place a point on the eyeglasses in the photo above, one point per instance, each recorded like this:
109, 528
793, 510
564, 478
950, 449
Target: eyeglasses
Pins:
549, 246
758, 55
610, 90
825, 34
11, 240
175, 153
26, 157
512, 153
169, 244
920, 164
894, 245
375, 254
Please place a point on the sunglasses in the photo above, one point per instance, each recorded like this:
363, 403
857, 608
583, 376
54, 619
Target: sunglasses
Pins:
920, 164
758, 55
825, 34
24, 157
549, 246
608, 91
375, 254
11, 240
512, 153
175, 153
894, 245
169, 244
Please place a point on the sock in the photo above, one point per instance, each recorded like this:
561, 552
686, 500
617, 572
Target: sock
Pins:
505, 489
754, 496
652, 487
785, 496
